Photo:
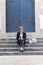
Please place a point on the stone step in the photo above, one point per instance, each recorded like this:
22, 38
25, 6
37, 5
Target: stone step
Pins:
10, 47
17, 49
14, 40
22, 53
10, 42
40, 41
16, 44
6, 38
39, 38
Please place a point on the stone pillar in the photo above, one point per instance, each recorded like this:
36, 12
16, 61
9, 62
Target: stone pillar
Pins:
3, 16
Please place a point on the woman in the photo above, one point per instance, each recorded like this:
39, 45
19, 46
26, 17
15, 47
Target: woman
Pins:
21, 37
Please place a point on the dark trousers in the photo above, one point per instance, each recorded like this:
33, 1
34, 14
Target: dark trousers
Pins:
21, 43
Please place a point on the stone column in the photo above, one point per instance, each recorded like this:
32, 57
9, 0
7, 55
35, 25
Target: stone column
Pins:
3, 16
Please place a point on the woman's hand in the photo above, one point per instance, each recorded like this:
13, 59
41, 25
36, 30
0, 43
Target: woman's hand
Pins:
21, 39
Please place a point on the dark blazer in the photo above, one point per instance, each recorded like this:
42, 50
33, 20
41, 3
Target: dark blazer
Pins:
18, 35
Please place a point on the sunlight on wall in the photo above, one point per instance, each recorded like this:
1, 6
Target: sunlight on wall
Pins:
0, 23
41, 21
41, 7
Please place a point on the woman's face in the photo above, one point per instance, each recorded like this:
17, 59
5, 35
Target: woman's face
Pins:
21, 30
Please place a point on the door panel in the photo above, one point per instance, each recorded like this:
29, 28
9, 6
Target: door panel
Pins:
28, 15
20, 12
12, 12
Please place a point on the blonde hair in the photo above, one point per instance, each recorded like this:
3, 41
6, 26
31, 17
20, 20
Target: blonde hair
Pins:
21, 27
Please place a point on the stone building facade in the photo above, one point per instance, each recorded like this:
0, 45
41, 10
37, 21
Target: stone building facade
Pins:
38, 10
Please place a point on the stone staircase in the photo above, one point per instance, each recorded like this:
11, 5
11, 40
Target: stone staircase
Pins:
10, 47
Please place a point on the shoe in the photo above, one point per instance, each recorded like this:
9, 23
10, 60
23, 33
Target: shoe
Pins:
24, 45
22, 49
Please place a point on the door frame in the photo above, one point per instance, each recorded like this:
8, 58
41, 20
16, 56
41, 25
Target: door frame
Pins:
29, 34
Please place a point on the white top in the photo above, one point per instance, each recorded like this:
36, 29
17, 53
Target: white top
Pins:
21, 35
0, 23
